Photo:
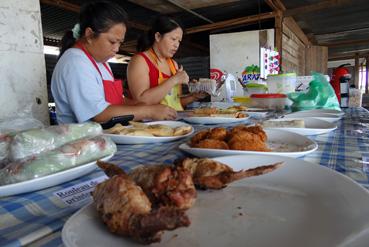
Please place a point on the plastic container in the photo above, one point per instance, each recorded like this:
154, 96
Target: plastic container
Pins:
282, 83
242, 100
269, 101
355, 97
254, 88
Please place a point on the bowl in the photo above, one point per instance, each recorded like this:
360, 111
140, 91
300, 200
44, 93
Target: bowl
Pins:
269, 101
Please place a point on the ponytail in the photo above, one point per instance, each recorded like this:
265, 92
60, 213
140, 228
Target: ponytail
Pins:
67, 42
145, 41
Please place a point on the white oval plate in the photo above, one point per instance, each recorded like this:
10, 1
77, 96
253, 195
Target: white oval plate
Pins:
322, 116
281, 142
328, 111
313, 126
49, 180
124, 139
214, 120
300, 204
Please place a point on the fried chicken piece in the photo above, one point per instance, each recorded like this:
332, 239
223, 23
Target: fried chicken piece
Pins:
199, 136
126, 210
241, 115
205, 111
218, 133
163, 184
244, 140
166, 185
257, 129
212, 144
210, 174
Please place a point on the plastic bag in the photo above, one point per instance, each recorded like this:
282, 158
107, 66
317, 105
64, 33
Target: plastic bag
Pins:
34, 141
8, 128
209, 86
70, 155
320, 95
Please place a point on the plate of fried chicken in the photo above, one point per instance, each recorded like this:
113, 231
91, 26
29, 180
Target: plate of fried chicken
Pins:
242, 139
222, 202
149, 200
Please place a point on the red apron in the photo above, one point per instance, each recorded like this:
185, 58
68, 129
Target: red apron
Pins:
113, 89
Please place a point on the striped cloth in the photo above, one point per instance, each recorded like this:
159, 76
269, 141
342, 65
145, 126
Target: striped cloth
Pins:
37, 218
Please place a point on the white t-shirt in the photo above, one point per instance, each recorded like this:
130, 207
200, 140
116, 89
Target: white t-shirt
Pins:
77, 87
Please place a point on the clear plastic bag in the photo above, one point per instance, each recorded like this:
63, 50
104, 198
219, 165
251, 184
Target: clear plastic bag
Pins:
70, 155
209, 86
34, 141
8, 128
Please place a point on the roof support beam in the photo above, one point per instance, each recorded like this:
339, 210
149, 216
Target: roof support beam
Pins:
175, 3
316, 7
75, 8
231, 22
346, 43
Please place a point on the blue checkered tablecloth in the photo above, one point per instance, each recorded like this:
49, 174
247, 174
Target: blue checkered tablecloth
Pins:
37, 218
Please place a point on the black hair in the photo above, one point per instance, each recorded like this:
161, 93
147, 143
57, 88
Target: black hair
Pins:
162, 24
100, 16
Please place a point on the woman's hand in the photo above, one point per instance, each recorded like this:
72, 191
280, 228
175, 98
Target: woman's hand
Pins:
162, 112
181, 76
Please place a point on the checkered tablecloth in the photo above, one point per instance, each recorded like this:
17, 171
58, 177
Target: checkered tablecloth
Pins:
37, 218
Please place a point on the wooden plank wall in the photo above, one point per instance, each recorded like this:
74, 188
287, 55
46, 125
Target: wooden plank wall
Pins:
316, 59
293, 52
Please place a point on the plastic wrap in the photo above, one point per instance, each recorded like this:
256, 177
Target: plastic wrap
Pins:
8, 128
34, 141
70, 155
204, 85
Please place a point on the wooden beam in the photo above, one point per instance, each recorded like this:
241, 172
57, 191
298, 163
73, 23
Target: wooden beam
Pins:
276, 5
366, 74
229, 23
316, 7
346, 43
278, 26
295, 28
357, 70
76, 8
344, 56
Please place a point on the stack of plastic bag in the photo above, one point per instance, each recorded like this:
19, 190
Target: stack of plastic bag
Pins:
39, 152
320, 95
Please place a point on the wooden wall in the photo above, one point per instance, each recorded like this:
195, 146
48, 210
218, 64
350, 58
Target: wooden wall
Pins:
293, 52
298, 54
316, 59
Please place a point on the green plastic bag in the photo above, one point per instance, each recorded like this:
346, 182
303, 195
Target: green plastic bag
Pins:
320, 95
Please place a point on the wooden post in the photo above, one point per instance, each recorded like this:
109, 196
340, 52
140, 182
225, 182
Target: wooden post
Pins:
279, 34
357, 68
367, 74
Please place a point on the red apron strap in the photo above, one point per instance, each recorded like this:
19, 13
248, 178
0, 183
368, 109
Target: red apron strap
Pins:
80, 46
113, 90
108, 69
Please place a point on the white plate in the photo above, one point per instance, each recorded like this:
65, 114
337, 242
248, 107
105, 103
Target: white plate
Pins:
313, 126
50, 180
124, 139
328, 111
322, 116
214, 120
300, 204
281, 142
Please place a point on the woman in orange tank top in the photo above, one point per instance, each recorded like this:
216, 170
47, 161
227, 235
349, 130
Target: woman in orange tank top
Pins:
153, 76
